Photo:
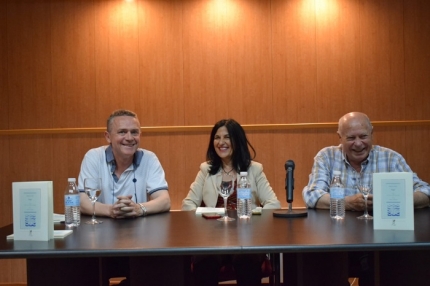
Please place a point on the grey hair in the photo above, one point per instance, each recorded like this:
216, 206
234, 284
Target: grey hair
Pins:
116, 113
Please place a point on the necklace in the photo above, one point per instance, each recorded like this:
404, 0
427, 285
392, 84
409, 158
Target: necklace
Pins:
227, 173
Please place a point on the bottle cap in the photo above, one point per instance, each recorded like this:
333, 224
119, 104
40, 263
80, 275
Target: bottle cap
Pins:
71, 180
244, 173
336, 173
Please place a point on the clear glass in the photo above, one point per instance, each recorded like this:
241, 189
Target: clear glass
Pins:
365, 190
93, 190
225, 190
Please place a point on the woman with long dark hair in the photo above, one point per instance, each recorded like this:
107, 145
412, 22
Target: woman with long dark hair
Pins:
227, 155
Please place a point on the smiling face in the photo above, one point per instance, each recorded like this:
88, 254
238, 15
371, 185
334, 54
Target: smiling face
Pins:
124, 136
222, 144
355, 134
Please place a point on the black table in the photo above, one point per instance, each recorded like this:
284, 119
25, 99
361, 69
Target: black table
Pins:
184, 234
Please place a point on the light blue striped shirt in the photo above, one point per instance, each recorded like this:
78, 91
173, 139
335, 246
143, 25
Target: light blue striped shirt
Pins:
331, 158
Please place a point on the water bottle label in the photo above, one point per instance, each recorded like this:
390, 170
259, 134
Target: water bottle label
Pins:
72, 200
337, 193
243, 193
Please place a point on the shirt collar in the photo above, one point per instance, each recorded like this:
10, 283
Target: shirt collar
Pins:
137, 158
365, 162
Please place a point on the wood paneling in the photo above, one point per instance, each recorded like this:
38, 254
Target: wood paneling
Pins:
28, 33
116, 56
73, 64
4, 100
337, 54
227, 61
69, 64
382, 53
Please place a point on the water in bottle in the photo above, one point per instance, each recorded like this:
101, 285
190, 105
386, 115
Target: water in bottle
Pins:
244, 197
72, 204
337, 197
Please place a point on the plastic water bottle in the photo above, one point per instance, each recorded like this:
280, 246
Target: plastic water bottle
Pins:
72, 204
337, 197
244, 197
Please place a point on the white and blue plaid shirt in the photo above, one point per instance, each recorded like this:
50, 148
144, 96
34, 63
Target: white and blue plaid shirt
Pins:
331, 159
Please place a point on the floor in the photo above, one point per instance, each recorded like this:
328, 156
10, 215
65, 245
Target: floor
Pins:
265, 281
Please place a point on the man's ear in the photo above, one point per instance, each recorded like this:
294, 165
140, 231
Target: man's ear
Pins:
107, 136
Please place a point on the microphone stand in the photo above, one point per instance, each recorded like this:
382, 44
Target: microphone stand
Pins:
290, 213
289, 188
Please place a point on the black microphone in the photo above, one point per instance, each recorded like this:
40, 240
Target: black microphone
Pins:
289, 188
289, 180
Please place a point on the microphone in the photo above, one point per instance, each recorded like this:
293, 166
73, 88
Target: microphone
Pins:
289, 180
289, 188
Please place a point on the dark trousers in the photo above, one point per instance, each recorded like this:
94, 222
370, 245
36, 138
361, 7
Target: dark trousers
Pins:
247, 267
361, 264
316, 269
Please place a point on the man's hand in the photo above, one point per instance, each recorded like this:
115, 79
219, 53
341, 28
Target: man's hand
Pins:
124, 207
356, 202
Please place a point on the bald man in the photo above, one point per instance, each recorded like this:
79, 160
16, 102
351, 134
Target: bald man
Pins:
357, 159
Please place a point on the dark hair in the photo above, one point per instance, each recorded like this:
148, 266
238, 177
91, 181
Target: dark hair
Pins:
116, 113
241, 156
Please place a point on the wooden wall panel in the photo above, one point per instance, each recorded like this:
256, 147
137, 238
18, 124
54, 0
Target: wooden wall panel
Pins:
294, 62
69, 64
29, 64
116, 56
73, 64
161, 97
4, 100
12, 269
417, 86
227, 61
337, 52
417, 58
382, 59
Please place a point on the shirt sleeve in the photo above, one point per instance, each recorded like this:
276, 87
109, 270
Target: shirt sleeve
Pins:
398, 164
156, 179
89, 168
318, 180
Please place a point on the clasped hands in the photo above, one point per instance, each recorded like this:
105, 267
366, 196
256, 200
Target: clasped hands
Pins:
124, 207
356, 202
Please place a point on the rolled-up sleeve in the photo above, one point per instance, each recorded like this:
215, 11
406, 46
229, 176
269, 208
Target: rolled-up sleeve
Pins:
397, 163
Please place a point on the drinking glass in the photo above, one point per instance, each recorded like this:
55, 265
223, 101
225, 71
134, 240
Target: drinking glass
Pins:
225, 190
365, 190
93, 189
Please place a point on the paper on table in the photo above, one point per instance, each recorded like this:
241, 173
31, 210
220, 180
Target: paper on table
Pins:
58, 217
202, 210
57, 233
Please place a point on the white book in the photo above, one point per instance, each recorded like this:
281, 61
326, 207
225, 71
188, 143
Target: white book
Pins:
205, 210
33, 210
393, 202
57, 233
